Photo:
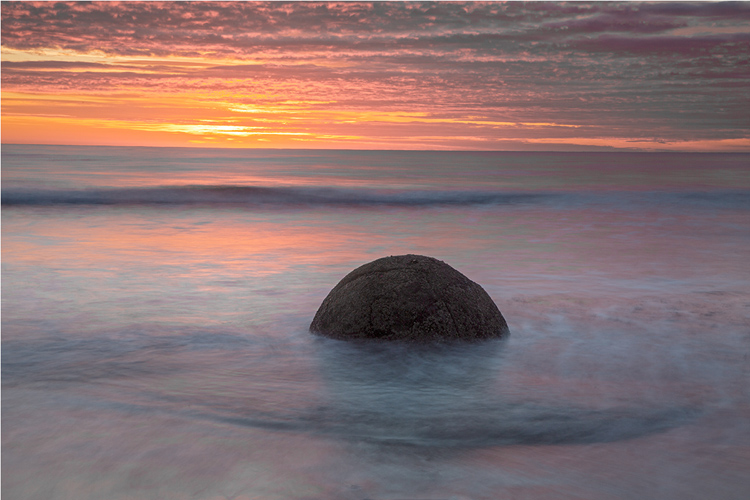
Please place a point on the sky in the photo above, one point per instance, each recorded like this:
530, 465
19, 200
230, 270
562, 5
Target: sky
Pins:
386, 75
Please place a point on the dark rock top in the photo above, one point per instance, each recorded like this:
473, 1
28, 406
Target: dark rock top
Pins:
408, 297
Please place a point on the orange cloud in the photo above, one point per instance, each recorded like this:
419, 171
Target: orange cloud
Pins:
385, 75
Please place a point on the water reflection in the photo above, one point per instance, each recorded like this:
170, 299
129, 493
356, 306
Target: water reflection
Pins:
451, 396
455, 396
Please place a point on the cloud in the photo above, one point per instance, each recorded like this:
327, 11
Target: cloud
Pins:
241, 28
622, 22
669, 45
52, 65
720, 10
637, 69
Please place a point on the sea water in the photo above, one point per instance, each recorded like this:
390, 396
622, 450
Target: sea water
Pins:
156, 304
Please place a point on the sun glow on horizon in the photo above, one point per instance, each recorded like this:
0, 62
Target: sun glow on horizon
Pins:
256, 75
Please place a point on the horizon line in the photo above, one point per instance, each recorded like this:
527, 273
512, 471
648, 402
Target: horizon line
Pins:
549, 151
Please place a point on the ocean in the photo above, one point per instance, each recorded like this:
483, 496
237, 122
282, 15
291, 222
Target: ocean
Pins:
156, 305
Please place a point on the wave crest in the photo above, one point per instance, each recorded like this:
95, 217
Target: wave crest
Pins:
253, 195
297, 196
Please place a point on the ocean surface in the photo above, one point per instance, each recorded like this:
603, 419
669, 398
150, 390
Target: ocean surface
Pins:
156, 304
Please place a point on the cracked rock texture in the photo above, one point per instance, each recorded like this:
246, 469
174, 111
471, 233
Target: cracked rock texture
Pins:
408, 297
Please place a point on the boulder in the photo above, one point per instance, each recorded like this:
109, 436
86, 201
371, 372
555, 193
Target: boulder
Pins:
410, 298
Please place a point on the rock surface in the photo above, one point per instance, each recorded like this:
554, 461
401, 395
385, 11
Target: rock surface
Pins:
408, 297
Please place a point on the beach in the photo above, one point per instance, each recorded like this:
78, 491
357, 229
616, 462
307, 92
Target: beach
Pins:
156, 305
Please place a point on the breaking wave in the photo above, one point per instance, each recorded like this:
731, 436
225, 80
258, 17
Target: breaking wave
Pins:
252, 195
334, 196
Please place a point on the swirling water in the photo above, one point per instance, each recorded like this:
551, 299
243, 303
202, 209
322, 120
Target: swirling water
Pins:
156, 303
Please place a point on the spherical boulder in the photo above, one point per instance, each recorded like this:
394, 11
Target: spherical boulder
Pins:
410, 298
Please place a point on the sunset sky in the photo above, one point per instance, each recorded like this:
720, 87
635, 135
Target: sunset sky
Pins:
402, 75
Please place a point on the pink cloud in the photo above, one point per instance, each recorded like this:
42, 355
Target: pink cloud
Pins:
627, 68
